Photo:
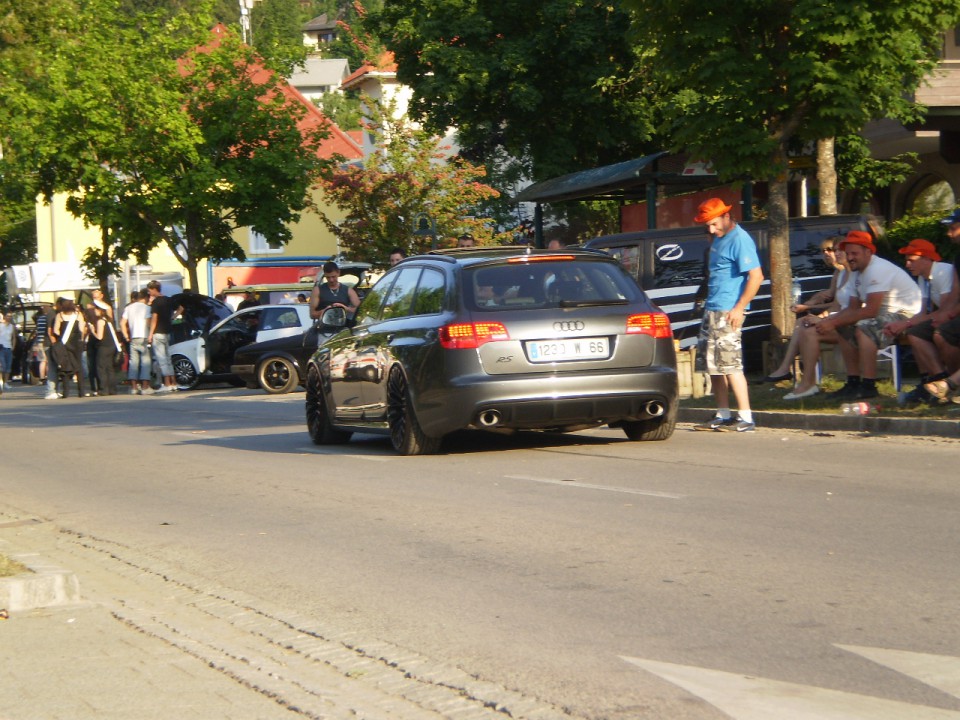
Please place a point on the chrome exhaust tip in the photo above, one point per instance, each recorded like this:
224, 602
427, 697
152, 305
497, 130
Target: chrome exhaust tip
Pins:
655, 408
489, 418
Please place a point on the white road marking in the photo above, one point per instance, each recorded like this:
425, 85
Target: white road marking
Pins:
590, 486
939, 671
744, 697
334, 453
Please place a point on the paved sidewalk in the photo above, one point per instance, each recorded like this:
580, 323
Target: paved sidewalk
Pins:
828, 422
80, 663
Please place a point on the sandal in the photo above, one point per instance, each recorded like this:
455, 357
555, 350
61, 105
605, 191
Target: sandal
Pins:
941, 389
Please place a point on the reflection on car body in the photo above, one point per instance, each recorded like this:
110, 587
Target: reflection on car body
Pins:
498, 339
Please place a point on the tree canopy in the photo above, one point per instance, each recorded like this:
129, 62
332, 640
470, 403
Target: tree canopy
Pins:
406, 182
743, 83
521, 75
162, 133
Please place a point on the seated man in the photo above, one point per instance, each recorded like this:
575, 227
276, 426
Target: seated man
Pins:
947, 333
883, 294
939, 291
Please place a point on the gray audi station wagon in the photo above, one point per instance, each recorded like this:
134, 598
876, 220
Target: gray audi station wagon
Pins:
499, 339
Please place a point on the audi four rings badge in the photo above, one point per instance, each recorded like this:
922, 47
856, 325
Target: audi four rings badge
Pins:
568, 326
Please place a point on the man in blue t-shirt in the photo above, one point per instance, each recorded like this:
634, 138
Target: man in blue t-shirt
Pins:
735, 277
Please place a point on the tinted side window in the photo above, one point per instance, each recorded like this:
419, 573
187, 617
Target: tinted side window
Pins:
399, 301
369, 310
430, 293
679, 263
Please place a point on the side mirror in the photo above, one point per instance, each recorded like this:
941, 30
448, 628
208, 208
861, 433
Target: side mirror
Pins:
335, 317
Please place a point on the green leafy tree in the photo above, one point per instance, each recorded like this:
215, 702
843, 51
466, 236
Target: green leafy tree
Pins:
407, 179
163, 134
526, 76
741, 83
354, 41
277, 37
343, 109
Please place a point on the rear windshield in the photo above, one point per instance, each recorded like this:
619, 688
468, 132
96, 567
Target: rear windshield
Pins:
548, 284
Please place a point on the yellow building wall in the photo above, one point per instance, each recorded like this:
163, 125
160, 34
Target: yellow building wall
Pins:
63, 238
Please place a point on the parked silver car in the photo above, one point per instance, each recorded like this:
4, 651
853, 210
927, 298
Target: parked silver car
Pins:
499, 339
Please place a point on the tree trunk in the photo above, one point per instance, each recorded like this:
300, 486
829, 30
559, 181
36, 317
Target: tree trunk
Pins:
827, 176
192, 274
781, 272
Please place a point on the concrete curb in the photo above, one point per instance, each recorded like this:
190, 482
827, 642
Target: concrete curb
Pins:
921, 427
45, 586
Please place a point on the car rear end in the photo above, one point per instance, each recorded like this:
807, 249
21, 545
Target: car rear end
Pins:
553, 341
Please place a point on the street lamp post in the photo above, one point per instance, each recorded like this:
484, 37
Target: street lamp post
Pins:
245, 7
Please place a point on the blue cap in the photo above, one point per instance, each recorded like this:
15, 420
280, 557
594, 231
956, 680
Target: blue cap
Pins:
954, 217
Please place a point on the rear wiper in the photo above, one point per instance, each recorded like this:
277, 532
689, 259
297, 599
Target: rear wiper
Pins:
591, 303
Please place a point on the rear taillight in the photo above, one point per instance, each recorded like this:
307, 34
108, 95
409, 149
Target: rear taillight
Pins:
465, 336
653, 324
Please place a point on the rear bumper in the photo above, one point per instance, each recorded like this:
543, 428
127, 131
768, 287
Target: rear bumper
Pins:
545, 402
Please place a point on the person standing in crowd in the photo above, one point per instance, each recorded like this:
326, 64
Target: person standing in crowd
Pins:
735, 277
249, 300
100, 301
108, 345
161, 320
135, 327
332, 293
8, 340
92, 374
70, 333
396, 255
938, 295
883, 294
53, 371
40, 340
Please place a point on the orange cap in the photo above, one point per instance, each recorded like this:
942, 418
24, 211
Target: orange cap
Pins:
710, 209
921, 247
859, 237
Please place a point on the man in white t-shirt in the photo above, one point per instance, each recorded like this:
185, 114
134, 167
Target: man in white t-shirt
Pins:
939, 291
135, 326
883, 294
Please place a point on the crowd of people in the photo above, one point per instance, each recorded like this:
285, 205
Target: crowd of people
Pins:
871, 304
84, 351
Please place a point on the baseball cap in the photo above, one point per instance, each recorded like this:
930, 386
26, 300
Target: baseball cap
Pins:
710, 209
859, 237
921, 247
952, 218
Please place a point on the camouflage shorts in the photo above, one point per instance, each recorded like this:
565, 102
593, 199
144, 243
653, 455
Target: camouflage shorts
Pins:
719, 349
873, 329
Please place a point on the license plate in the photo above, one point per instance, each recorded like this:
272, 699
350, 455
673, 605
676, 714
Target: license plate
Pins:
542, 351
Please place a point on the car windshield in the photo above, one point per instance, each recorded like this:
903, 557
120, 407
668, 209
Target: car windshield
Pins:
554, 283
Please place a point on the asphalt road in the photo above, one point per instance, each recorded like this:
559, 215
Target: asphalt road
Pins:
780, 574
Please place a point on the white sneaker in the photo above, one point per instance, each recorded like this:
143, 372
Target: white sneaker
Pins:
51, 396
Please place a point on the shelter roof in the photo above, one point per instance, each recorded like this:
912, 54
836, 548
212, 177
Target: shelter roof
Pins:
626, 180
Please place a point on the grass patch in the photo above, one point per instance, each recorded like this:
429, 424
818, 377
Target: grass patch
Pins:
767, 396
9, 566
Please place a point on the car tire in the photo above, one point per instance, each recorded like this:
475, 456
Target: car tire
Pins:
405, 433
277, 375
321, 430
659, 428
184, 372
